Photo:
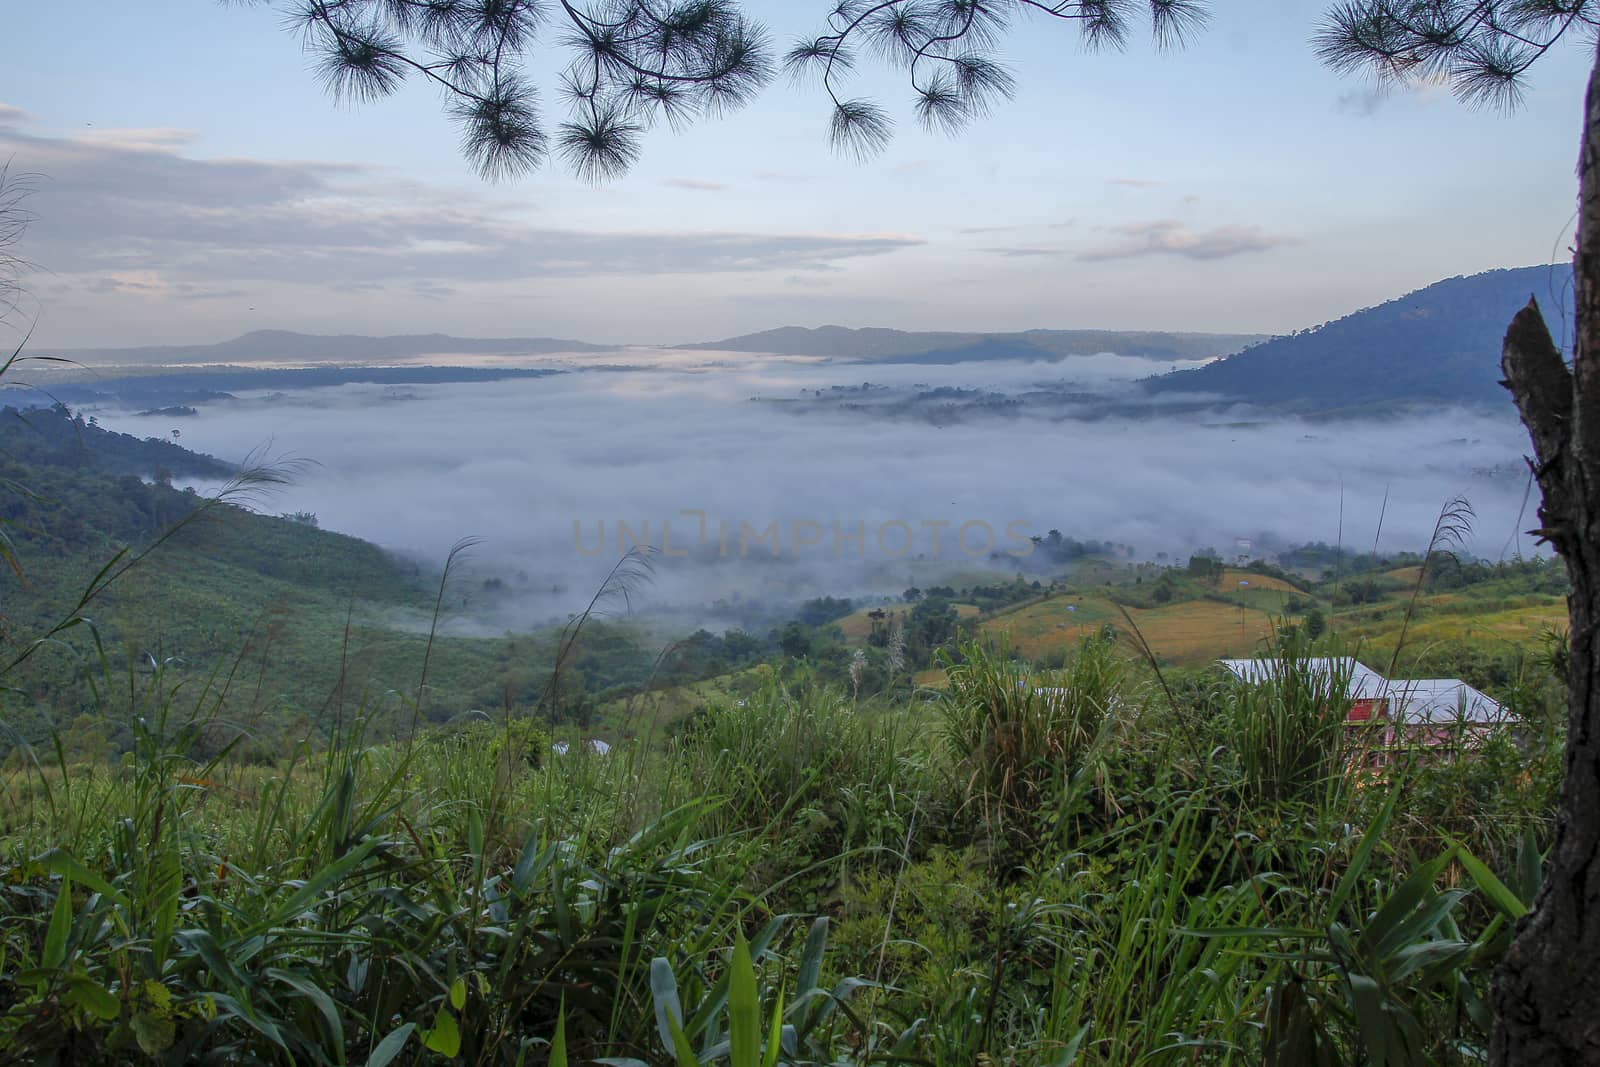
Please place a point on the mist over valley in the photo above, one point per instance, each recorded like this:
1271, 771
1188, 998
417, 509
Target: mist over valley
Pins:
876, 478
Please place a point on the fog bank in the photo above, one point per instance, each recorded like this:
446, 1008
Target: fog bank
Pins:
738, 458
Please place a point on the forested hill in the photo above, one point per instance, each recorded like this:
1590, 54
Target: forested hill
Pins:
55, 437
228, 583
1440, 344
901, 346
70, 490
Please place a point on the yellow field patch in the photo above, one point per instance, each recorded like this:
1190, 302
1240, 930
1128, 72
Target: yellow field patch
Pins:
1189, 633
1199, 631
1050, 624
1517, 626
1258, 582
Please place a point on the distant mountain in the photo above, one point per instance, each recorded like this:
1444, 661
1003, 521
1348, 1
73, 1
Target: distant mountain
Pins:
1440, 344
901, 346
287, 346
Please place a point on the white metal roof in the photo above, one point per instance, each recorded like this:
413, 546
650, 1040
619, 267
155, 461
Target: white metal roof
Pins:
593, 744
1365, 683
1442, 700
1412, 700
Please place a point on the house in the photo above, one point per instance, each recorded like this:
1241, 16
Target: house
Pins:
593, 744
1414, 713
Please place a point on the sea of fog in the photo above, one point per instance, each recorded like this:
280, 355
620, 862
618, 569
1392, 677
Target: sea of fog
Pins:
758, 477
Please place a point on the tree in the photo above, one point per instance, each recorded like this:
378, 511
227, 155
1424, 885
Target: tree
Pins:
634, 63
1546, 992
1316, 623
1206, 567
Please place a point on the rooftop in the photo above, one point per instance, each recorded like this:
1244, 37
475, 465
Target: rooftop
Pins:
1412, 700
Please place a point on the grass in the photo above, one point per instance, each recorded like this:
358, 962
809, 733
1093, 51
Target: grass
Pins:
1045, 866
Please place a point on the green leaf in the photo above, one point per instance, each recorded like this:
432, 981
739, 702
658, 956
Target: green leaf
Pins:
558, 1044
308, 891
475, 832
55, 938
681, 1048
55, 861
318, 997
1069, 1054
1374, 1022
1530, 866
1496, 891
444, 1036
1363, 854
664, 991
811, 957
744, 1010
154, 1033
166, 892
458, 994
93, 998
774, 1034
390, 1046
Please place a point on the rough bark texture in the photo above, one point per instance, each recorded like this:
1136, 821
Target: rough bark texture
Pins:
1547, 990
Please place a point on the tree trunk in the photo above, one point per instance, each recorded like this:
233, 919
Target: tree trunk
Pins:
1546, 992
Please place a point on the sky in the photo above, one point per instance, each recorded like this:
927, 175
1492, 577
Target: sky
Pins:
194, 182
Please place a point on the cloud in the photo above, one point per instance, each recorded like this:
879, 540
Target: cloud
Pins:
1366, 101
146, 137
975, 230
12, 116
123, 203
150, 283
697, 184
519, 462
1024, 251
1171, 237
1134, 183
1362, 102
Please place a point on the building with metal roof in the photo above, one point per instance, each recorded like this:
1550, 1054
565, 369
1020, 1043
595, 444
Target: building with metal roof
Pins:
1410, 701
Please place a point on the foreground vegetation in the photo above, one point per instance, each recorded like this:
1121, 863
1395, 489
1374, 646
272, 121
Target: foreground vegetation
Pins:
1068, 867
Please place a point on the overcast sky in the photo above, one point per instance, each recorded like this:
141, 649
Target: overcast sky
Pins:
196, 183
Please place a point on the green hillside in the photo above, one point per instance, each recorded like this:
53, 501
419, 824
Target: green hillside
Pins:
1440, 344
300, 617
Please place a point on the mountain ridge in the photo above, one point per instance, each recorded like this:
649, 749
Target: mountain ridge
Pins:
261, 345
1440, 343
877, 343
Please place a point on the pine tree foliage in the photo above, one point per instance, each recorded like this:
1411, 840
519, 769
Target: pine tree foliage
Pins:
621, 67
1481, 49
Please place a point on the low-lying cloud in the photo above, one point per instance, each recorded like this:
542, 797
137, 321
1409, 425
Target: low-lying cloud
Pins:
546, 469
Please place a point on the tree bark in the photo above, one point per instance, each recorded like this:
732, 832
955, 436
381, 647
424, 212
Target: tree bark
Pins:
1546, 992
